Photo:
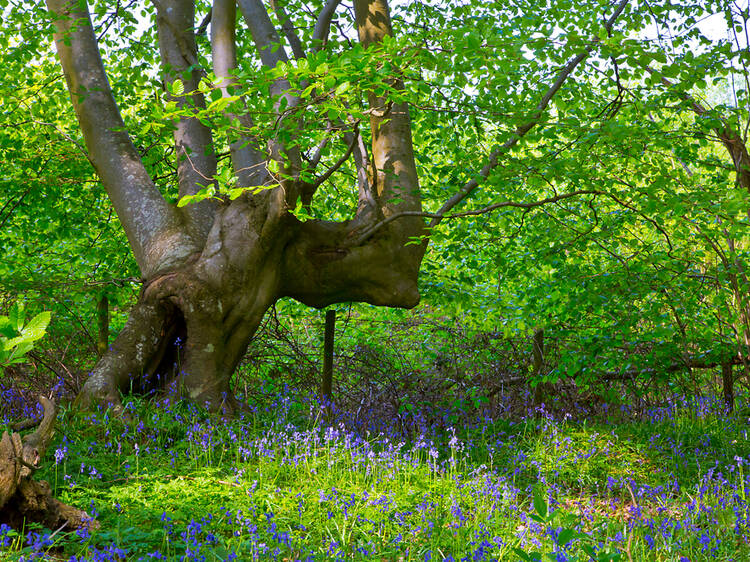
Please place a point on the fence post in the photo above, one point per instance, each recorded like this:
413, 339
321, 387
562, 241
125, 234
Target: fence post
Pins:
102, 317
537, 348
326, 389
727, 380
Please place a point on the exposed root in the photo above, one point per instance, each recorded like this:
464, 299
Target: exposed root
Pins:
24, 500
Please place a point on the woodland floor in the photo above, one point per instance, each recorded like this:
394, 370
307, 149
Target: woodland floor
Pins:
281, 483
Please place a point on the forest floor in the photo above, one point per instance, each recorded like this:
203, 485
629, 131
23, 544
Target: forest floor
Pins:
169, 482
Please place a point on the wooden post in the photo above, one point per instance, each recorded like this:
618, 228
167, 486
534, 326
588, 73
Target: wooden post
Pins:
727, 379
102, 316
326, 390
537, 348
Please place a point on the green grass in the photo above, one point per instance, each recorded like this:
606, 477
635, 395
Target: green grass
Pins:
179, 485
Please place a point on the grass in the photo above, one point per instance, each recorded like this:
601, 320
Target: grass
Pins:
172, 483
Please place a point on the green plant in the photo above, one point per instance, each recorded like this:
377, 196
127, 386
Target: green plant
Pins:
567, 524
17, 339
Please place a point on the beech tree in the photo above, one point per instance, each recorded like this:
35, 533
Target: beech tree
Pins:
236, 242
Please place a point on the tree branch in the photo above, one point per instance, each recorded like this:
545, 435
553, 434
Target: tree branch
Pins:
196, 159
146, 217
315, 159
248, 162
272, 52
204, 24
493, 159
344, 157
364, 235
731, 140
323, 24
288, 29
394, 172
264, 34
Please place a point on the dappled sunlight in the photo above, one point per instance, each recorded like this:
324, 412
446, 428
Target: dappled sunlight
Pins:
175, 483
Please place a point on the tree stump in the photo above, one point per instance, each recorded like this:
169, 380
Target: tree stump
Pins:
24, 500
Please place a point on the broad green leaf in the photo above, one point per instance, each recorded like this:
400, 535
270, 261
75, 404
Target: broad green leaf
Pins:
540, 505
177, 88
17, 316
36, 328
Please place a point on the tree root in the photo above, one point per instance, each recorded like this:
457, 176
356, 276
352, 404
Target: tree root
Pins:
24, 500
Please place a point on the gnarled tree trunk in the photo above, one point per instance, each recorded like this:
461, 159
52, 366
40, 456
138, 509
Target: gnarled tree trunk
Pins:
211, 270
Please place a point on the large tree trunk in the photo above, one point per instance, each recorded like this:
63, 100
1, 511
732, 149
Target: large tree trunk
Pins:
191, 326
212, 270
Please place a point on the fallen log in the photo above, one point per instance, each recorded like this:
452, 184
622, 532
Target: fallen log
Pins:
24, 500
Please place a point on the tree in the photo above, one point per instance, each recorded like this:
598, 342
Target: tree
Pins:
212, 267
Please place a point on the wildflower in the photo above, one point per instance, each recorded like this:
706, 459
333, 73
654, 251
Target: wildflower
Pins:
60, 454
6, 535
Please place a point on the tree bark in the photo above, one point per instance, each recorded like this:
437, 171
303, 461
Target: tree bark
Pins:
24, 500
537, 348
155, 230
727, 380
102, 318
326, 387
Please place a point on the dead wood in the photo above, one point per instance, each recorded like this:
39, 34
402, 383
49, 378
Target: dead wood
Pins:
24, 500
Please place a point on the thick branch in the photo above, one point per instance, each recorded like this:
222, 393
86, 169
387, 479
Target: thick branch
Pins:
35, 444
731, 140
395, 173
320, 267
323, 24
366, 204
196, 160
272, 52
264, 34
248, 161
146, 217
288, 29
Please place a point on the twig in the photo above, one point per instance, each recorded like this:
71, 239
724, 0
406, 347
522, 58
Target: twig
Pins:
439, 216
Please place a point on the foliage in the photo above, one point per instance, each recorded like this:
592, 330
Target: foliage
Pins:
647, 270
17, 337
635, 276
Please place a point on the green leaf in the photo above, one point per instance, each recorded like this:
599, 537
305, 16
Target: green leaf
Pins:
35, 329
588, 549
205, 193
17, 354
16, 316
540, 505
6, 328
236, 192
342, 88
177, 88
567, 535
221, 104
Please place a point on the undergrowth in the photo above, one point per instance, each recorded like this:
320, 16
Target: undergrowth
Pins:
169, 482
